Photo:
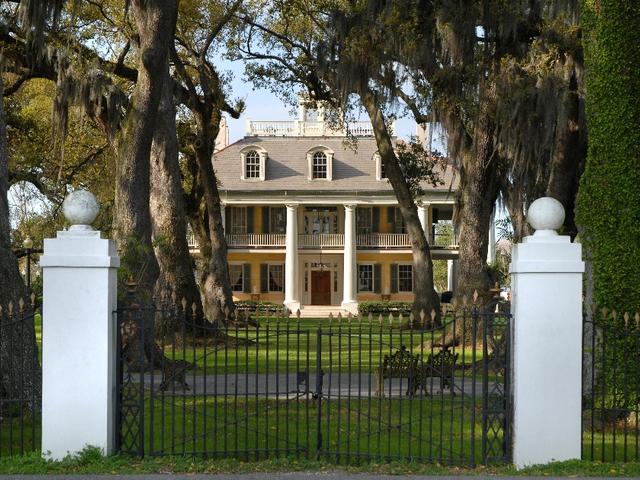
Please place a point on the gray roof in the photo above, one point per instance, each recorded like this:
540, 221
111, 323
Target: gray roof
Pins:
286, 166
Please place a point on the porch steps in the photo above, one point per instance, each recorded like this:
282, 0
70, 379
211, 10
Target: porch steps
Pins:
321, 311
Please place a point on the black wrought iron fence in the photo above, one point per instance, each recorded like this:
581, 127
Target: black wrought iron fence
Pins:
345, 389
20, 379
611, 386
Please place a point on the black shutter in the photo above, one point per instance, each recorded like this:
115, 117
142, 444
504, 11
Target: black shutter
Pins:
266, 228
227, 220
375, 220
394, 278
357, 277
246, 278
377, 275
264, 278
435, 215
249, 219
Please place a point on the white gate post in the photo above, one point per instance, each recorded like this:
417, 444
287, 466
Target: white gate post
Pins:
78, 334
546, 280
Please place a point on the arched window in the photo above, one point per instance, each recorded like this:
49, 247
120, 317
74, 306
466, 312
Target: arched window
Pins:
319, 168
252, 165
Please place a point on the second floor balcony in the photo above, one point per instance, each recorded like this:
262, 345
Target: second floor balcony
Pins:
331, 241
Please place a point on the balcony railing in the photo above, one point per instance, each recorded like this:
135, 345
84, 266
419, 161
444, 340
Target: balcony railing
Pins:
296, 128
382, 240
330, 240
323, 240
256, 240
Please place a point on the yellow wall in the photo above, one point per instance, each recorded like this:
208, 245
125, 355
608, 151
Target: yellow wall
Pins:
385, 260
256, 259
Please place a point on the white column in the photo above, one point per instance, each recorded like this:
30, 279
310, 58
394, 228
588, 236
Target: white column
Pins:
349, 302
491, 247
450, 275
546, 278
422, 215
291, 299
79, 334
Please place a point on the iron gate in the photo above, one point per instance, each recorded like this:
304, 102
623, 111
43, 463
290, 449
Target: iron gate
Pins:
345, 389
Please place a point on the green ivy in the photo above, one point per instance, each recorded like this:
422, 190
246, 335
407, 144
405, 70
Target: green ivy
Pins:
608, 209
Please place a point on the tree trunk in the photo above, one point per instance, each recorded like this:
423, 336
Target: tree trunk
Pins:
425, 297
169, 226
155, 21
20, 374
215, 283
476, 198
567, 160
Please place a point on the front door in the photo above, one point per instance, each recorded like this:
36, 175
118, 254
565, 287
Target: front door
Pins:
321, 288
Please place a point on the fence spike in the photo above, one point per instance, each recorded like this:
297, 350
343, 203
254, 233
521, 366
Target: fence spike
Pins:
412, 319
626, 319
298, 313
390, 320
33, 300
194, 309
614, 315
475, 296
174, 297
10, 308
183, 303
604, 312
638, 319
349, 317
433, 316
0, 311
380, 319
370, 317
330, 317
339, 317
465, 300
21, 305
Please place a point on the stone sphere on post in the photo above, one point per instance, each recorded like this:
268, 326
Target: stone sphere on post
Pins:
546, 216
80, 208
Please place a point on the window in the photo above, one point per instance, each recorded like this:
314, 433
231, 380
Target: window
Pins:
235, 275
252, 165
276, 278
365, 278
238, 220
364, 220
405, 278
319, 165
277, 220
254, 160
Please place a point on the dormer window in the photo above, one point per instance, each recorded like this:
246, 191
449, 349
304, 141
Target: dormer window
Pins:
254, 160
320, 163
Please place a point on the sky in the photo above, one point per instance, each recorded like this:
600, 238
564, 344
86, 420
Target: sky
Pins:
261, 104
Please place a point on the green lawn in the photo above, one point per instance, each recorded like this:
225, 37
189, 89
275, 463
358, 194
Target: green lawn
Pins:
291, 346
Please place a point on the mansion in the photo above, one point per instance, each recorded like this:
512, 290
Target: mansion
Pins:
310, 219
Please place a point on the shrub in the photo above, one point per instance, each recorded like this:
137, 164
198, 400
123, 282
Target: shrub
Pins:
384, 308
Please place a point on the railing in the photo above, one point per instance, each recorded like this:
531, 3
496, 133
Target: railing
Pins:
322, 240
295, 128
376, 240
366, 240
256, 240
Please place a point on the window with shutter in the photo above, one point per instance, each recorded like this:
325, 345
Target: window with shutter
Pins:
377, 274
264, 278
405, 278
235, 275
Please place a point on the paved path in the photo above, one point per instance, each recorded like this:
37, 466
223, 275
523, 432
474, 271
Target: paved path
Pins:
293, 385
